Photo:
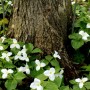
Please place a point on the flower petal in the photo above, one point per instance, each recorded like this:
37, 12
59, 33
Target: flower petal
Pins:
81, 32
40, 88
37, 80
52, 70
7, 59
37, 62
47, 73
10, 71
43, 64
78, 80
52, 77
12, 45
80, 84
27, 59
84, 79
37, 68
14, 41
9, 53
21, 69
88, 25
1, 48
4, 70
4, 75
33, 86
17, 46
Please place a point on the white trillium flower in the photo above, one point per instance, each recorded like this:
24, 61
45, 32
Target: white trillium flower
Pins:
60, 74
73, 2
56, 55
18, 56
10, 3
24, 49
81, 81
27, 70
50, 73
24, 69
88, 25
39, 64
1, 48
6, 72
36, 84
15, 44
6, 56
3, 38
22, 55
84, 35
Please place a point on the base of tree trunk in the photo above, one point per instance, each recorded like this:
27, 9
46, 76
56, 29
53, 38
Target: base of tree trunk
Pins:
44, 23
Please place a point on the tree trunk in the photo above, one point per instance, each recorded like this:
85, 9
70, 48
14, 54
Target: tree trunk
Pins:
44, 23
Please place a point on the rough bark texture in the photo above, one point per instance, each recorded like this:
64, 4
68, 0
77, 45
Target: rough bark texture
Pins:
44, 23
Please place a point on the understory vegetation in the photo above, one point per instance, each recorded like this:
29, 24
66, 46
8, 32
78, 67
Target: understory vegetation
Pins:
23, 68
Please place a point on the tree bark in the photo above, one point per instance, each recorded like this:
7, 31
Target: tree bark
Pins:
44, 23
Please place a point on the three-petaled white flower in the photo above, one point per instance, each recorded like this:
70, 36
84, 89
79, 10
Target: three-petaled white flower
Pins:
36, 84
10, 3
50, 73
56, 55
81, 81
84, 35
39, 64
3, 38
24, 69
6, 72
15, 44
60, 74
73, 2
22, 55
1, 48
88, 25
6, 56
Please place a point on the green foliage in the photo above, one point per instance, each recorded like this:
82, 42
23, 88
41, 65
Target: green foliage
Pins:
80, 36
5, 12
11, 84
48, 85
19, 64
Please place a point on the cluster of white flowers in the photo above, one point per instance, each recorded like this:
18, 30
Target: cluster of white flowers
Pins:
84, 35
24, 69
6, 56
36, 84
81, 81
5, 72
22, 55
39, 65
